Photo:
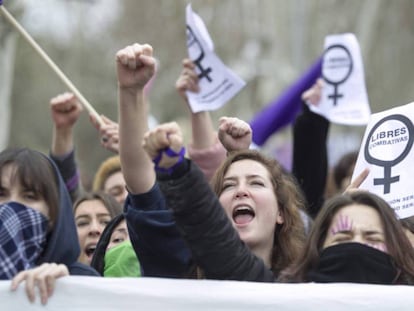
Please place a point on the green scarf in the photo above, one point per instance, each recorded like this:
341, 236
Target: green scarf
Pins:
121, 261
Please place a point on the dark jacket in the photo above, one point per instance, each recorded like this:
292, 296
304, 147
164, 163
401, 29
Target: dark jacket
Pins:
161, 250
310, 159
62, 242
69, 171
215, 244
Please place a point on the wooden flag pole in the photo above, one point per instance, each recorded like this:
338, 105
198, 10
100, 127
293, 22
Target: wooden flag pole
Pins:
52, 65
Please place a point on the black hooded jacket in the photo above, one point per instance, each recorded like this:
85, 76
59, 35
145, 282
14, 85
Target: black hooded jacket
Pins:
62, 242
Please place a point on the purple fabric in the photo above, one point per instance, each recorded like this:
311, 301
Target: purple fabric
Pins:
1, 2
171, 154
73, 182
283, 110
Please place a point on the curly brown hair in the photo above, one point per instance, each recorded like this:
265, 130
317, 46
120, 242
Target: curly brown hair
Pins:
289, 236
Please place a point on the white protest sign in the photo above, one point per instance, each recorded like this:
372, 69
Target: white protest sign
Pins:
218, 84
157, 294
344, 97
387, 150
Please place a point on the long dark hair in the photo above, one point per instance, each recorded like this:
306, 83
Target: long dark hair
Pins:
98, 259
397, 243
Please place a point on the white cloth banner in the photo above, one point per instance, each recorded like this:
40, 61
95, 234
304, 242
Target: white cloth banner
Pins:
387, 150
218, 84
344, 96
100, 294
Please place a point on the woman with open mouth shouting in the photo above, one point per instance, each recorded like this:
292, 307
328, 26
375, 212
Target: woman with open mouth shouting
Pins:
93, 211
254, 203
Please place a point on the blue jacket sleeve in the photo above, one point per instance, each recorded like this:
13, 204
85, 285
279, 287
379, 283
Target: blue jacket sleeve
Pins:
161, 250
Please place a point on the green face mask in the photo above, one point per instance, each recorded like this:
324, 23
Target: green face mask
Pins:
121, 261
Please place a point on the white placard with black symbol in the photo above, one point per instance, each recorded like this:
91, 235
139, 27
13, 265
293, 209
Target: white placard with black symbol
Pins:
344, 97
218, 84
387, 150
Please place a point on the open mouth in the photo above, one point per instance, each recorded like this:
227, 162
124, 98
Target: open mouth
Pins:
243, 215
90, 250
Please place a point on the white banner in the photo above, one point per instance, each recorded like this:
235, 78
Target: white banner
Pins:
344, 97
387, 150
100, 294
218, 84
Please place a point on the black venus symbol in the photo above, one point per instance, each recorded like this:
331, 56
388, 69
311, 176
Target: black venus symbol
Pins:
337, 49
387, 180
191, 40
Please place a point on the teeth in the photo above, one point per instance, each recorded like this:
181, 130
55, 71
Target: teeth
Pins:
239, 208
243, 209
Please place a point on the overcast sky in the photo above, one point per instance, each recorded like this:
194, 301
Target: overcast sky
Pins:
60, 18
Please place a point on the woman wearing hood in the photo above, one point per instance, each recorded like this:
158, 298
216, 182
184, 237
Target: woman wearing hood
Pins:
38, 237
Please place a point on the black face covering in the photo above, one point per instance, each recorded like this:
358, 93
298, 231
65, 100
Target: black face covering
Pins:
354, 262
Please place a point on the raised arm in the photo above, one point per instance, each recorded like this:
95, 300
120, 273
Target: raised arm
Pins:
215, 244
159, 246
204, 148
65, 110
108, 132
310, 159
203, 134
234, 134
135, 67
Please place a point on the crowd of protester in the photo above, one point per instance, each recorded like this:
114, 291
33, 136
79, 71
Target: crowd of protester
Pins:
213, 209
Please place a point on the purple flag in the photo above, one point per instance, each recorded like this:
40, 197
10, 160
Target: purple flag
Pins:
284, 109
1, 2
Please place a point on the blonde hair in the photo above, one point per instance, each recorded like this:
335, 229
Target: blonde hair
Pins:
107, 168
